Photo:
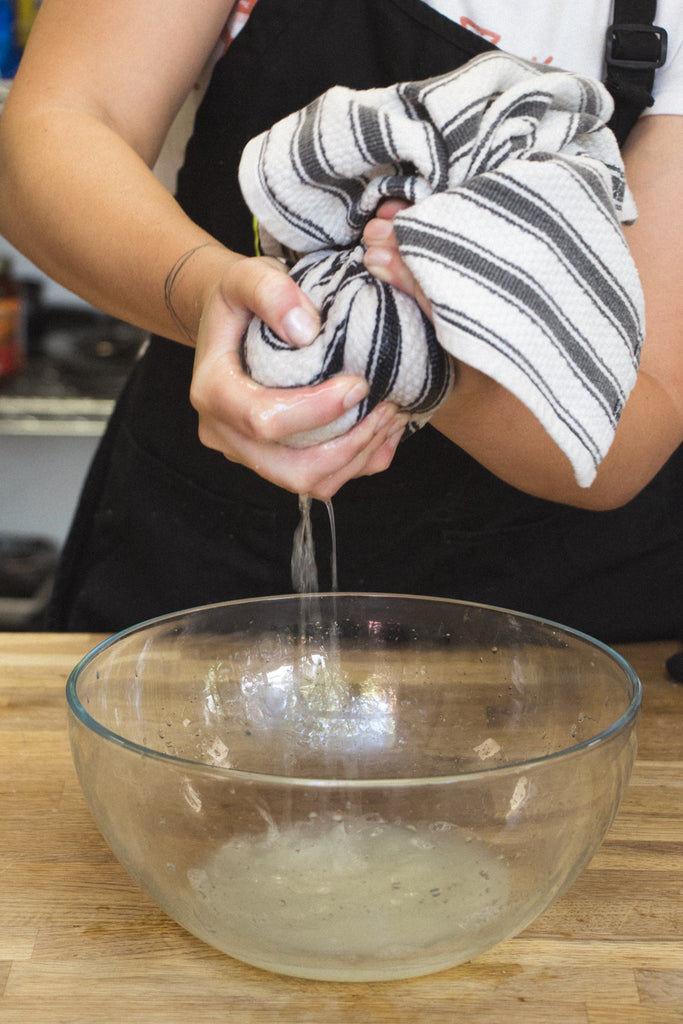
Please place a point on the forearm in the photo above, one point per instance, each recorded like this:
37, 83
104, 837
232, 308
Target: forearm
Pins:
498, 431
97, 90
99, 189
501, 433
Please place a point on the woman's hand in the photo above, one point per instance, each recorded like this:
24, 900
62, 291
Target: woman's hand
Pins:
247, 422
72, 139
382, 257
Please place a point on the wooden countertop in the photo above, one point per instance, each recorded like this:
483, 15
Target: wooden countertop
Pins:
80, 944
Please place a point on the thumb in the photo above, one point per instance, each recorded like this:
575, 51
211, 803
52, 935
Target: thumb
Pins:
263, 286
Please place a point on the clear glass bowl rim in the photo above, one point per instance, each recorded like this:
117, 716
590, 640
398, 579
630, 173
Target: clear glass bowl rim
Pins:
601, 738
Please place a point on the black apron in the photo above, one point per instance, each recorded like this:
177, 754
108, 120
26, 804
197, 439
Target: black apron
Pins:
165, 523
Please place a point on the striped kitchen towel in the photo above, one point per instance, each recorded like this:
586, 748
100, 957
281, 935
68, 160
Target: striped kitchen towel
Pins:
514, 234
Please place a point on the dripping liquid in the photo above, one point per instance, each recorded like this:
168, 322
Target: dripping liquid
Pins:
319, 687
304, 566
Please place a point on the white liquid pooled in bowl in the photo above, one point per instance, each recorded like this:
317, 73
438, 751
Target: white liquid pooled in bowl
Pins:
328, 894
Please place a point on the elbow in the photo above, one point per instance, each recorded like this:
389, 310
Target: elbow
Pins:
619, 481
609, 491
601, 501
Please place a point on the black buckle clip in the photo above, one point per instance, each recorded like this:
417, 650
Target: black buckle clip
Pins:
624, 41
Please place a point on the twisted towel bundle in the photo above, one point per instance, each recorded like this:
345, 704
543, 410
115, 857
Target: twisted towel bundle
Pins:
517, 190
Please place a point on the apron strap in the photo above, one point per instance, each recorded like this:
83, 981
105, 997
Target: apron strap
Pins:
634, 49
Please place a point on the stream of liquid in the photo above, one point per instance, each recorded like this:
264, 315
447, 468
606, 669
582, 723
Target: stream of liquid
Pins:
341, 893
319, 688
304, 565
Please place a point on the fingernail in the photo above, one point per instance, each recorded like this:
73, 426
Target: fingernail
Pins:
378, 257
398, 424
377, 228
383, 415
300, 326
356, 394
395, 436
379, 272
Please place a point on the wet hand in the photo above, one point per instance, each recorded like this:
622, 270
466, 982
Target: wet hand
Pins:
248, 422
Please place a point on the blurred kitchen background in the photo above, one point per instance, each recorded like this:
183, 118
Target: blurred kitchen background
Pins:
62, 364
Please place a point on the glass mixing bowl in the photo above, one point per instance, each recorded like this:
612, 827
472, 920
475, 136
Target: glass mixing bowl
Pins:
353, 786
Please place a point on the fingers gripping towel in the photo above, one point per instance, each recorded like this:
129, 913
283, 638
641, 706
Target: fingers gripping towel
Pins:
517, 195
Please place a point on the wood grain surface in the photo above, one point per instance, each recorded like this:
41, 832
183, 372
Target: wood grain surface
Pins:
81, 944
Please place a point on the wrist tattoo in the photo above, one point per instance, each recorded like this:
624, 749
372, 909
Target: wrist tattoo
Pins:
169, 285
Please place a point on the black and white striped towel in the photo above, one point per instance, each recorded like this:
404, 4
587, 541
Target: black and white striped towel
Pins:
514, 234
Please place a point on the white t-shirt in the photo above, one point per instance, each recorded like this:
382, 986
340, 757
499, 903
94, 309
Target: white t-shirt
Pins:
570, 36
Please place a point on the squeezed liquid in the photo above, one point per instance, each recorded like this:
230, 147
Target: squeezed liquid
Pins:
350, 897
304, 567
347, 896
